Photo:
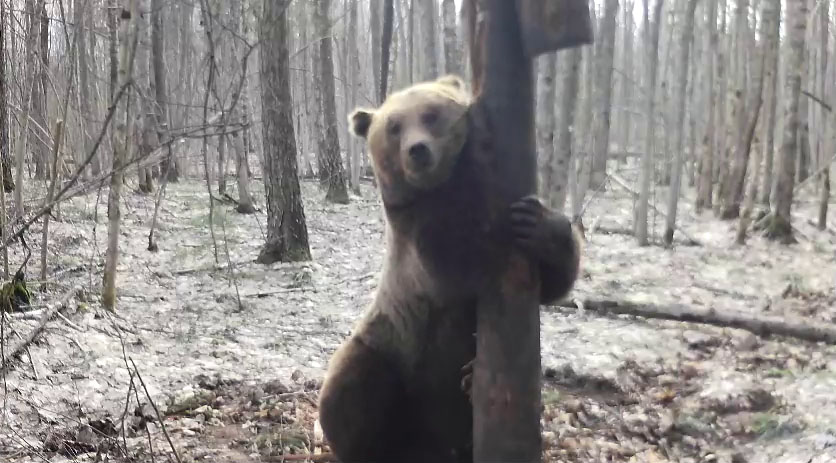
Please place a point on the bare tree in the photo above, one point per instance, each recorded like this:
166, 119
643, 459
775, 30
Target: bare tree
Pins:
428, 38
80, 18
772, 25
452, 49
375, 9
779, 227
353, 78
287, 233
651, 39
679, 103
605, 52
334, 171
546, 122
705, 183
565, 137
128, 20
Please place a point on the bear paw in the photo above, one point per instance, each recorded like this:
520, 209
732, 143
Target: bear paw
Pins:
537, 229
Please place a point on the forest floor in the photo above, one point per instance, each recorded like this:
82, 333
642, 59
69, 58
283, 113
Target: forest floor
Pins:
237, 382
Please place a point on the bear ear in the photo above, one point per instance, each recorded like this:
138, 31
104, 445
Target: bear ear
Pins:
451, 80
359, 122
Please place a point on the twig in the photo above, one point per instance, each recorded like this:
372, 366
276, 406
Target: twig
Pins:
757, 324
623, 184
45, 318
818, 100
156, 411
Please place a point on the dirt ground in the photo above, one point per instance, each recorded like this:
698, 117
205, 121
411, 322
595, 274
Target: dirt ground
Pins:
237, 381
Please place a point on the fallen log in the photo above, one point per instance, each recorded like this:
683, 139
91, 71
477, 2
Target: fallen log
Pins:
813, 331
45, 318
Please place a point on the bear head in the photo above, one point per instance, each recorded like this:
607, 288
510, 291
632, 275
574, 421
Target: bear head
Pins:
415, 137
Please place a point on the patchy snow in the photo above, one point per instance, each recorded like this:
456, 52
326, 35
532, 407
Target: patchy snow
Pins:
617, 387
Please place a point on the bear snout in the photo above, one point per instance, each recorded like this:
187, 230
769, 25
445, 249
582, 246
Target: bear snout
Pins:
420, 156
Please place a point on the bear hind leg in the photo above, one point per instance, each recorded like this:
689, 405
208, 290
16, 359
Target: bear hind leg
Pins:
361, 406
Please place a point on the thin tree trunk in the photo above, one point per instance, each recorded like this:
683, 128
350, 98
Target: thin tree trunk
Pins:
771, 29
705, 185
825, 129
80, 16
547, 93
779, 227
563, 160
679, 103
452, 50
287, 233
603, 90
429, 39
128, 20
40, 150
375, 8
651, 32
337, 192
353, 77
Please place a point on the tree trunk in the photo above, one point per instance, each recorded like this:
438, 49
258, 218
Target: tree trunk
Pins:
242, 168
452, 50
826, 129
128, 20
546, 123
651, 37
146, 132
603, 91
705, 184
780, 227
160, 86
353, 77
428, 38
337, 192
563, 161
40, 149
627, 57
80, 17
375, 8
679, 103
771, 29
5, 155
287, 233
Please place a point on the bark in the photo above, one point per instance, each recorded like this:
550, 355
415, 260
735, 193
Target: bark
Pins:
825, 129
113, 46
507, 331
287, 233
751, 195
452, 49
146, 133
679, 103
40, 150
353, 77
603, 90
547, 93
128, 18
242, 169
627, 57
771, 28
780, 227
375, 9
5, 155
563, 160
80, 17
337, 192
429, 39
651, 31
756, 324
705, 184
160, 86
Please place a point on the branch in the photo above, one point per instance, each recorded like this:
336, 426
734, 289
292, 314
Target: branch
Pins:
45, 318
813, 331
818, 100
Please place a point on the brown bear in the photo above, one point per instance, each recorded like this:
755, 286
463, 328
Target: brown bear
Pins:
394, 390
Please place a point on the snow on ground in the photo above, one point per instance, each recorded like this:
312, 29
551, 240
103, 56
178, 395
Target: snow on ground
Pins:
616, 388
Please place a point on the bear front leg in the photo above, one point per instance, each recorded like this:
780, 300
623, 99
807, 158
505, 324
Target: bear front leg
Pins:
361, 405
549, 237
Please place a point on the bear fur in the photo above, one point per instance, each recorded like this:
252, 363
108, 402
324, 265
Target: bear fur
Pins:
394, 390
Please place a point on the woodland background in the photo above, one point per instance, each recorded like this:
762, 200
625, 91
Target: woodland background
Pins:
198, 231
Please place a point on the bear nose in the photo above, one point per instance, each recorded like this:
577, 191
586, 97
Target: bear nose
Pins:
420, 154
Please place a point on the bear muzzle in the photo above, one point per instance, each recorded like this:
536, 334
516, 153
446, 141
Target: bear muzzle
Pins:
420, 157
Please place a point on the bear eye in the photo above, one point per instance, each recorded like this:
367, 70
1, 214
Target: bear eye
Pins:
430, 117
394, 128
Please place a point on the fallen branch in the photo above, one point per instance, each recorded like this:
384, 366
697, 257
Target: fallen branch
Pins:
623, 184
45, 318
814, 331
